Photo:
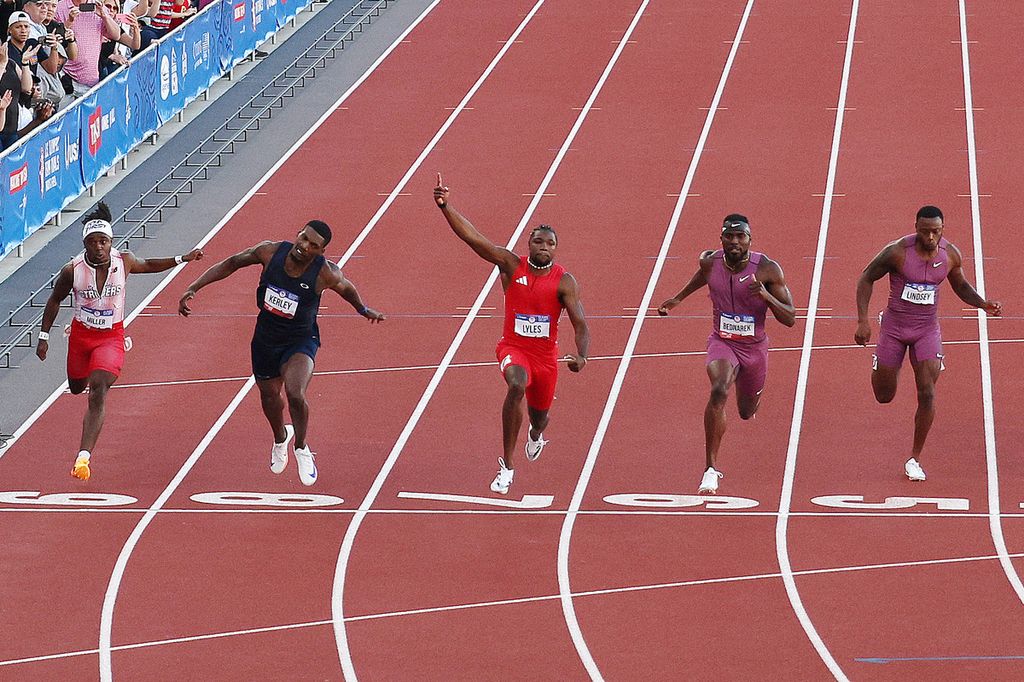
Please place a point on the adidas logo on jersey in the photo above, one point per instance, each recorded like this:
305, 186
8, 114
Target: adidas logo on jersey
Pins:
522, 280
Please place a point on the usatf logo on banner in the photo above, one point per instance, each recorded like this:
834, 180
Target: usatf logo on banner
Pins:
19, 179
240, 11
95, 131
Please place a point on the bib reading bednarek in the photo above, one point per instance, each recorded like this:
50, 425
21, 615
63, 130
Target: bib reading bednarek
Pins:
533, 326
280, 302
731, 325
921, 294
97, 319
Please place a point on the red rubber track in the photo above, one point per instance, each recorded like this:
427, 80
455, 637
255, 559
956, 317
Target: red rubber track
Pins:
894, 159
197, 573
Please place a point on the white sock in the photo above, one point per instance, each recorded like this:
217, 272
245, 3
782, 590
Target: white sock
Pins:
85, 454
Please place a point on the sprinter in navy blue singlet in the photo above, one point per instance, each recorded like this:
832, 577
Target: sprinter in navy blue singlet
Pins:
286, 338
286, 323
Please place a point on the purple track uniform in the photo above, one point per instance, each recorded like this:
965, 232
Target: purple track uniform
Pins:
911, 318
738, 334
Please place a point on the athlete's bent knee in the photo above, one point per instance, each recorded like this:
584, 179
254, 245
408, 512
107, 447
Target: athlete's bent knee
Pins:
719, 394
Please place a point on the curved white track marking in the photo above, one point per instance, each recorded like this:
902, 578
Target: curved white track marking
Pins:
782, 524
110, 597
338, 597
995, 523
565, 537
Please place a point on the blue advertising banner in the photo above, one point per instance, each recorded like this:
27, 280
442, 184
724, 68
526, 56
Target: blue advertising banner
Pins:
243, 32
141, 97
201, 66
15, 174
103, 128
225, 33
55, 178
171, 63
265, 19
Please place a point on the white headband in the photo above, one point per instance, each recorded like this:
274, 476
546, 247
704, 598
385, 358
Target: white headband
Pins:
97, 226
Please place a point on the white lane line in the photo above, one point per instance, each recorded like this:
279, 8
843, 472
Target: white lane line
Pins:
110, 596
786, 499
498, 602
490, 363
524, 511
992, 470
565, 536
341, 568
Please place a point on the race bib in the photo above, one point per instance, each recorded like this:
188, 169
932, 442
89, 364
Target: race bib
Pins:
280, 302
533, 326
97, 319
921, 294
731, 325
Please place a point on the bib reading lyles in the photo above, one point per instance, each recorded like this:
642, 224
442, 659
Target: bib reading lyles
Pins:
280, 302
921, 294
97, 319
533, 326
731, 325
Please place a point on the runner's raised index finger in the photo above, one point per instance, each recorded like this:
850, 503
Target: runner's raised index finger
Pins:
439, 184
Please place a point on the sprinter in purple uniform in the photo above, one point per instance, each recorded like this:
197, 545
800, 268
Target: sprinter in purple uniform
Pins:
743, 286
916, 265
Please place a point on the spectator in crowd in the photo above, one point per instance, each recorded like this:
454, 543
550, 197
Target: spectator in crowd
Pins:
14, 82
160, 23
19, 45
91, 26
54, 84
64, 35
116, 53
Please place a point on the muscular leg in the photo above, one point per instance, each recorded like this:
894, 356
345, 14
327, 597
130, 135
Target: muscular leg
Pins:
99, 383
273, 405
296, 372
722, 375
926, 373
512, 411
883, 382
538, 422
76, 386
747, 404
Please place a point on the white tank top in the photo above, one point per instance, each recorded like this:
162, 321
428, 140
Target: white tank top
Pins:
99, 309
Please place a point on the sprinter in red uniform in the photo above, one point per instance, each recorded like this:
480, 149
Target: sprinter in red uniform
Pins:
536, 291
743, 285
96, 280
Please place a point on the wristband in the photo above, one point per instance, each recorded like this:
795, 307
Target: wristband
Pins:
44, 336
179, 260
362, 310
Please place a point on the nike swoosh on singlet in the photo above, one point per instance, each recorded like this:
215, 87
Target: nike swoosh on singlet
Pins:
935, 265
744, 279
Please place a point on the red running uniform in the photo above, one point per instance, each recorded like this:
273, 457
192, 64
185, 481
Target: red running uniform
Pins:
530, 336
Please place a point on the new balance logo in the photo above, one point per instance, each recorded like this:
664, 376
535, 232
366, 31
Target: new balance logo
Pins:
522, 280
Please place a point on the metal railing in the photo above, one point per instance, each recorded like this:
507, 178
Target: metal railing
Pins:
195, 166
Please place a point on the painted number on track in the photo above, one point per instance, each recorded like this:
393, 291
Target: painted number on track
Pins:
857, 502
528, 501
267, 499
674, 501
66, 499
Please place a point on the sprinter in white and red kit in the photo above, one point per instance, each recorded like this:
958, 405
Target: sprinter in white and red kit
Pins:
96, 280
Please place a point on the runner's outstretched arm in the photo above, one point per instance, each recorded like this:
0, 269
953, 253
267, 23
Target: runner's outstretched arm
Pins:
138, 265
699, 279
965, 290
506, 261
344, 287
880, 266
61, 289
569, 295
255, 255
